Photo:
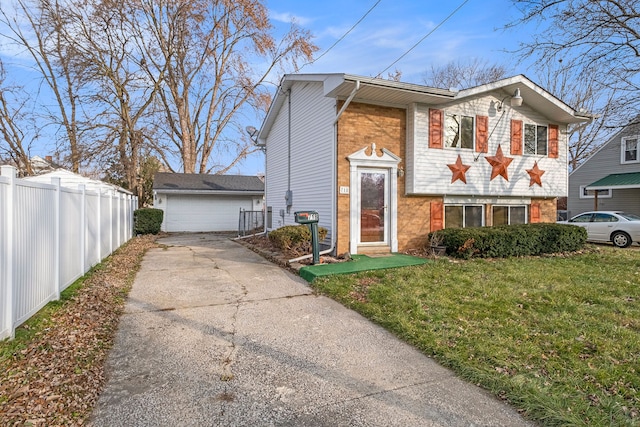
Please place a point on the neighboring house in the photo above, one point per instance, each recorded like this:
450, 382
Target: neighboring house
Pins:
73, 180
200, 202
384, 162
40, 165
610, 178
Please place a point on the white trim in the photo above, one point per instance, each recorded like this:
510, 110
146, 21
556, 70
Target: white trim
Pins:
600, 196
457, 200
211, 192
623, 150
360, 160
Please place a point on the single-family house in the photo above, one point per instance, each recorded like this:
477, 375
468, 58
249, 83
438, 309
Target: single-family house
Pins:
610, 178
203, 202
385, 162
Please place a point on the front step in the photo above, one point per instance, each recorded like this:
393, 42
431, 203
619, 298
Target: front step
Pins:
374, 250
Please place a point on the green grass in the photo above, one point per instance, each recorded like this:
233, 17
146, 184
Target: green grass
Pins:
557, 337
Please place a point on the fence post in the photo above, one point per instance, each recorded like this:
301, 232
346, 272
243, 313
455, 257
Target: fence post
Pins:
110, 222
83, 228
99, 228
118, 216
10, 172
56, 233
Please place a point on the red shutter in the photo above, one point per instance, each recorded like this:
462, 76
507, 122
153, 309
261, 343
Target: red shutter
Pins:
435, 128
535, 213
437, 216
553, 141
482, 134
516, 137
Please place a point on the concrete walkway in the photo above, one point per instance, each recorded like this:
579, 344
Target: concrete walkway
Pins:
214, 335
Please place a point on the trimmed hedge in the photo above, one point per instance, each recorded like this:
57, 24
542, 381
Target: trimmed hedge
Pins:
147, 220
512, 240
293, 237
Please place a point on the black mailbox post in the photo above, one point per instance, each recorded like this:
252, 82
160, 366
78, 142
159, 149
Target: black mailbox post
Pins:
310, 218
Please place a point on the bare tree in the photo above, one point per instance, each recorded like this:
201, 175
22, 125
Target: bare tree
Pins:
35, 27
13, 145
464, 75
601, 36
109, 58
583, 92
207, 48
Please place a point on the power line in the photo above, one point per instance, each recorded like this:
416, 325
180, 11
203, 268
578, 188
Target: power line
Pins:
343, 36
427, 35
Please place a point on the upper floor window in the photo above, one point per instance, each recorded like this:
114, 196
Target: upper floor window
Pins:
535, 139
459, 131
630, 149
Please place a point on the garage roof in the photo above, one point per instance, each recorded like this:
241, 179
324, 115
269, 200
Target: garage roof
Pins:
165, 182
616, 180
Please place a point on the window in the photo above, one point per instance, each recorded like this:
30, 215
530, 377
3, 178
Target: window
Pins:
590, 194
629, 149
602, 217
459, 131
458, 216
535, 139
504, 215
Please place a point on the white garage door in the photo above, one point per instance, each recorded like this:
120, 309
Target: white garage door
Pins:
204, 213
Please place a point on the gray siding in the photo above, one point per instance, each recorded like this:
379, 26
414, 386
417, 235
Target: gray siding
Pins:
604, 162
310, 174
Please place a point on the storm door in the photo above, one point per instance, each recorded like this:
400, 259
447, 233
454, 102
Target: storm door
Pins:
374, 205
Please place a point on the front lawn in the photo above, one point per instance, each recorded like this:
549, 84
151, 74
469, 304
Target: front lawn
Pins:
557, 337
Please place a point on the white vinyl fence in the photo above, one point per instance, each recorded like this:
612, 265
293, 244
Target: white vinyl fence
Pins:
50, 236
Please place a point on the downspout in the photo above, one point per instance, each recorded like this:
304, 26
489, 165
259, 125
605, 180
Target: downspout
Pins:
334, 199
289, 140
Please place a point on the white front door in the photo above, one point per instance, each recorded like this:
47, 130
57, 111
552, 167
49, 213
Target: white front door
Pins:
374, 206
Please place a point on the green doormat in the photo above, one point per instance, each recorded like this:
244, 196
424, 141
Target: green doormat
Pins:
360, 263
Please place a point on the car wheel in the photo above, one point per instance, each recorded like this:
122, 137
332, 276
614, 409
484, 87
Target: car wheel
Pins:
621, 239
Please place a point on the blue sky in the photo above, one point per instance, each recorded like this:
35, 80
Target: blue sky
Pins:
383, 36
394, 26
391, 29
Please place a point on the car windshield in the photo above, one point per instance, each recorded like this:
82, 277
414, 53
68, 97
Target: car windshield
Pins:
629, 216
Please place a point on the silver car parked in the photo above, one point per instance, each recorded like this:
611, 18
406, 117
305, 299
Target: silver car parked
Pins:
617, 227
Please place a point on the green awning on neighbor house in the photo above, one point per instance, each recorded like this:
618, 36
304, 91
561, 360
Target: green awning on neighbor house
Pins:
616, 181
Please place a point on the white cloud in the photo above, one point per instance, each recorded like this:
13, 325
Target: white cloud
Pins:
288, 18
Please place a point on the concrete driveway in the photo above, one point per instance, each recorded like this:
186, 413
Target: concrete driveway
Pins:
214, 335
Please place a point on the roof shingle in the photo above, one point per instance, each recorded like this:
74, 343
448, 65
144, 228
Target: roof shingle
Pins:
200, 182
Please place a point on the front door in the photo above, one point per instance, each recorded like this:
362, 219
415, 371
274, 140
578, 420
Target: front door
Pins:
374, 205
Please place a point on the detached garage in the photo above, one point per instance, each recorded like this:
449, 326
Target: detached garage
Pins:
200, 202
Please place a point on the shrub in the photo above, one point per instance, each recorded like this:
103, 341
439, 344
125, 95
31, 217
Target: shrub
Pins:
512, 240
147, 220
293, 237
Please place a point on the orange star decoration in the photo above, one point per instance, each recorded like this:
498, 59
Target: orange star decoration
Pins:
536, 175
499, 164
459, 170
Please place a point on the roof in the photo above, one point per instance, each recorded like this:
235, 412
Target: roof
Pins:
166, 182
617, 180
389, 92
534, 96
73, 180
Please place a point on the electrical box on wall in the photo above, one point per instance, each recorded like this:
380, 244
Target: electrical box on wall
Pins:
288, 198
